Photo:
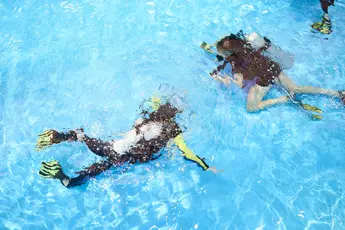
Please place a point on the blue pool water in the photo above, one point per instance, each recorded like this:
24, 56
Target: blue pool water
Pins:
67, 64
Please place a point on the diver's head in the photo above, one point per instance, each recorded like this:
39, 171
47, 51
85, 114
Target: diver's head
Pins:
169, 110
165, 112
229, 44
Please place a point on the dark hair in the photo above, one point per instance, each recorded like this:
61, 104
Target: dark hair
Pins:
239, 37
164, 113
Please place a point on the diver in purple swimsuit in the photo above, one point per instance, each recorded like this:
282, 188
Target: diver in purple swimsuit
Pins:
248, 84
260, 73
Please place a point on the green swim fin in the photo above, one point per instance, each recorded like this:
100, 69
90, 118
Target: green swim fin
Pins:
52, 170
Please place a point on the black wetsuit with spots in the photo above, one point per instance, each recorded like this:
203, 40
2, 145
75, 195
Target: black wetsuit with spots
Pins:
143, 151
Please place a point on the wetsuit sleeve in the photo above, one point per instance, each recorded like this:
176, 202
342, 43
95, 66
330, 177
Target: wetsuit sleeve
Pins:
179, 141
188, 153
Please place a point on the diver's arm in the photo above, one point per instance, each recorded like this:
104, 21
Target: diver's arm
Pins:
188, 153
180, 143
219, 68
238, 79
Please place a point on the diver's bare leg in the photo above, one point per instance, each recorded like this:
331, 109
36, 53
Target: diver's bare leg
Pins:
255, 99
290, 86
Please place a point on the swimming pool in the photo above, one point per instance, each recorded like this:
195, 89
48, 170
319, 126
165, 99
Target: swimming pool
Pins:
67, 64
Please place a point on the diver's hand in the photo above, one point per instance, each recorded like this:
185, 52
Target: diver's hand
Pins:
214, 170
215, 76
214, 72
226, 81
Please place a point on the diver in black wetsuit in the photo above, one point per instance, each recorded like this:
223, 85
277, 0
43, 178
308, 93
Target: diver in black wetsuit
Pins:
141, 144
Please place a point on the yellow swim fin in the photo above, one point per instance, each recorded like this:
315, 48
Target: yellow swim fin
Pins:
311, 108
49, 137
155, 102
50, 169
324, 27
44, 140
316, 117
207, 47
